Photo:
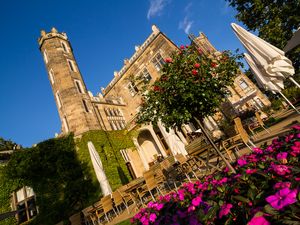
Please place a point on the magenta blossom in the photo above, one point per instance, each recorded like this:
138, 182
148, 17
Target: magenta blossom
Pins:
296, 127
295, 148
258, 220
250, 171
152, 217
225, 209
242, 162
281, 185
282, 155
196, 201
281, 169
282, 198
258, 150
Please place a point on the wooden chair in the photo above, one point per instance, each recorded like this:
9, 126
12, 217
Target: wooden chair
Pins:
232, 144
260, 123
108, 207
151, 184
184, 167
119, 201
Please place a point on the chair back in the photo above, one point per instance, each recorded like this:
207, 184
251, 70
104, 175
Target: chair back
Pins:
150, 180
259, 120
180, 158
240, 129
117, 197
107, 203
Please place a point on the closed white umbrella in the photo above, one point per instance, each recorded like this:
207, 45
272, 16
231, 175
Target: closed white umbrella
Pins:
98, 168
264, 81
268, 58
175, 144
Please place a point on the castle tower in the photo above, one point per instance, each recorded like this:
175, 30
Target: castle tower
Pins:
75, 108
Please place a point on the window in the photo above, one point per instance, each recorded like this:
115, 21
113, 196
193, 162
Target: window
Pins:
113, 125
244, 85
79, 86
24, 202
65, 123
85, 105
45, 56
51, 76
71, 65
64, 46
132, 88
158, 62
124, 155
58, 99
145, 75
259, 102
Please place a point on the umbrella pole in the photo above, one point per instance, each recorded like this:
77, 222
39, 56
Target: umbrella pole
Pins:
292, 79
289, 102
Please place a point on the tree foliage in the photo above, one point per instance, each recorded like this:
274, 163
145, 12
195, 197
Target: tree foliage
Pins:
191, 85
274, 20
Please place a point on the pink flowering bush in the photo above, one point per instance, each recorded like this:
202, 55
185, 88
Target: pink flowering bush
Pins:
265, 190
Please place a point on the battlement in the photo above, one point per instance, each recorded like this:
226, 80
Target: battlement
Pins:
53, 33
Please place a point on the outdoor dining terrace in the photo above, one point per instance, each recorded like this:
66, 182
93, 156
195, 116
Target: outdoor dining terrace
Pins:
170, 174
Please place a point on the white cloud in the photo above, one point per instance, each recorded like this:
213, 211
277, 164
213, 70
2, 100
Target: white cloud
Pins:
186, 24
156, 7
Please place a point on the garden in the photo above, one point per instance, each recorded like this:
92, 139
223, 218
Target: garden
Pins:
265, 190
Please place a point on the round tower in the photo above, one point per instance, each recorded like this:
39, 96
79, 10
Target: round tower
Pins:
73, 102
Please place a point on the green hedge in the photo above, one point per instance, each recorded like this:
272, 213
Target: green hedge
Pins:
108, 145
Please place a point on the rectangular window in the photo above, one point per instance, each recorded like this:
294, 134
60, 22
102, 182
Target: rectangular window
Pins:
65, 123
158, 62
71, 65
45, 56
85, 105
145, 75
51, 76
58, 99
64, 46
244, 86
132, 88
79, 86
124, 155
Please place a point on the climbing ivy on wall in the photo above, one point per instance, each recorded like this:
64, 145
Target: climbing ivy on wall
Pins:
61, 173
108, 145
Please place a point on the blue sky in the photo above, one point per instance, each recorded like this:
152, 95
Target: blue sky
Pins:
102, 33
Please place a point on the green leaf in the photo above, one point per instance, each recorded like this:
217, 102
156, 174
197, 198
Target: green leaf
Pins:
270, 210
241, 198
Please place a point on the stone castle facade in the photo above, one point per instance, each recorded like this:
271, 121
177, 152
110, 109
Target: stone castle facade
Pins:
116, 107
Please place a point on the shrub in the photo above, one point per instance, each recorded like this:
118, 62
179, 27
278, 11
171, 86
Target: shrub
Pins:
265, 190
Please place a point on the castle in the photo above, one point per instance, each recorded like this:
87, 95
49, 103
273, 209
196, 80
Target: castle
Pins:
117, 106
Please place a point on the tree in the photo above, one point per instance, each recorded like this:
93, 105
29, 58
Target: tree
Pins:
191, 85
274, 20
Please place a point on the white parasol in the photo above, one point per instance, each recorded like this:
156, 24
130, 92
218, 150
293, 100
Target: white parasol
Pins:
268, 58
98, 167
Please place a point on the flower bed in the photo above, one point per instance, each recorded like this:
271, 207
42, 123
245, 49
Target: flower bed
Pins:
265, 190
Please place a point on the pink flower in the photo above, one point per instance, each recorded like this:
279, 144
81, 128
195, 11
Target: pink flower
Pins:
281, 185
194, 72
225, 209
181, 46
152, 217
168, 60
258, 150
250, 171
282, 155
282, 198
281, 169
295, 148
197, 65
196, 201
242, 162
258, 220
296, 127
181, 194
289, 137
